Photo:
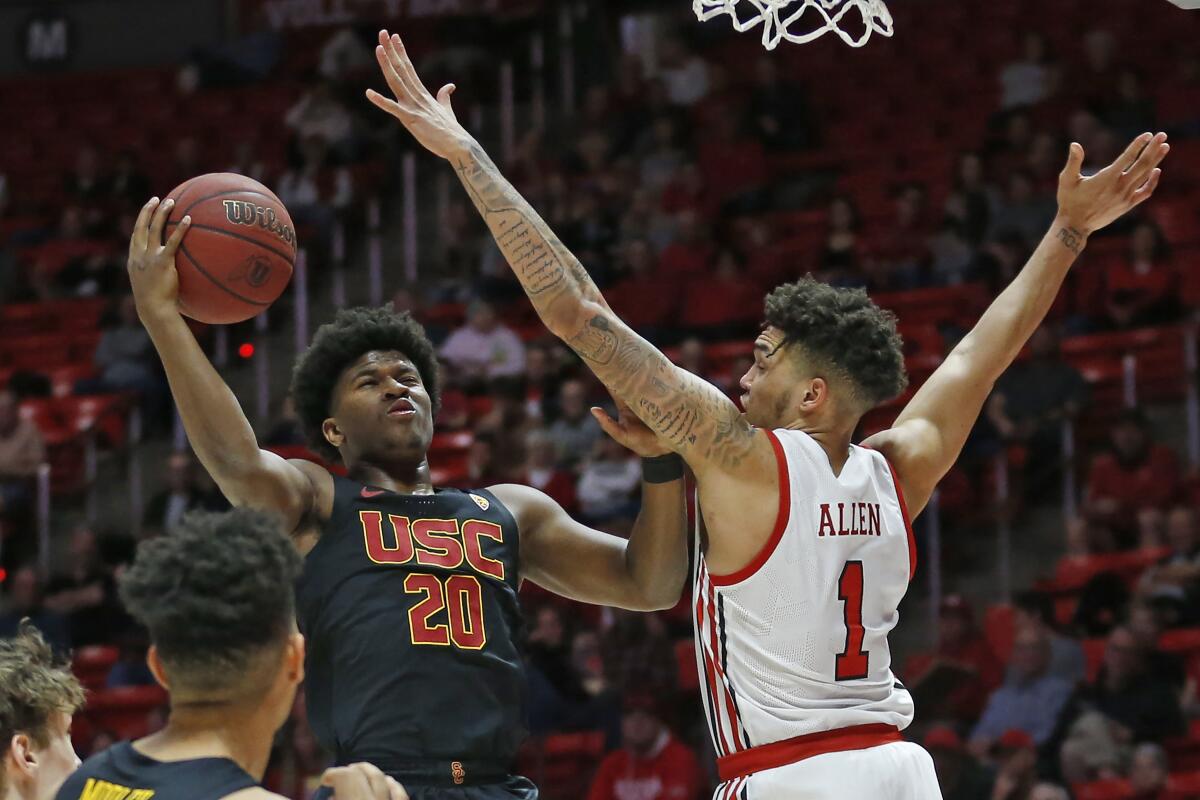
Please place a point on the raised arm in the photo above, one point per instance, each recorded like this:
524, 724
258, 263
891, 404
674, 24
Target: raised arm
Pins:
215, 424
931, 430
691, 416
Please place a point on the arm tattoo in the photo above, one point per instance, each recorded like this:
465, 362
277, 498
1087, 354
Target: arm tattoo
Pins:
1072, 239
687, 411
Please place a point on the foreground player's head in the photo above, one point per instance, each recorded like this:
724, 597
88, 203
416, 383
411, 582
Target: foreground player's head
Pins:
825, 356
37, 698
367, 387
217, 598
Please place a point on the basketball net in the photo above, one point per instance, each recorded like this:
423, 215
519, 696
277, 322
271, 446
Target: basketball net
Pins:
781, 19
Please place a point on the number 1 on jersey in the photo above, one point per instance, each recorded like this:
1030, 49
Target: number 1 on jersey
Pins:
852, 661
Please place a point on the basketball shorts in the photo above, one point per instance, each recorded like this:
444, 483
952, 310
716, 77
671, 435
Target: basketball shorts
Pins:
894, 771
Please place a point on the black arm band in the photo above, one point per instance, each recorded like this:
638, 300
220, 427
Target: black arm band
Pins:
662, 469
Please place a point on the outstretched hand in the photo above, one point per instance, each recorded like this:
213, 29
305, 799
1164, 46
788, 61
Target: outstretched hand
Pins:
1089, 204
430, 120
630, 432
151, 265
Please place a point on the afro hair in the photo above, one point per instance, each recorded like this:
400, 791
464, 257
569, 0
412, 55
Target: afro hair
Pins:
844, 331
338, 344
215, 595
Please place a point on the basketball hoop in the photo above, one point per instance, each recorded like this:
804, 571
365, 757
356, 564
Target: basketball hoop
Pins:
782, 19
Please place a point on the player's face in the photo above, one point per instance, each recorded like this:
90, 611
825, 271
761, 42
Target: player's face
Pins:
768, 385
381, 409
57, 760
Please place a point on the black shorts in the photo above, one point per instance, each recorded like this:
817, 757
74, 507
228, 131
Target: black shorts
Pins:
513, 788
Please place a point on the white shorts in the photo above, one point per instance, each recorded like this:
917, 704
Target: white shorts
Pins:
893, 771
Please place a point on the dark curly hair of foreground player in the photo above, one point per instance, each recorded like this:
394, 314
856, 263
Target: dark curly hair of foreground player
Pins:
34, 686
216, 596
353, 332
844, 332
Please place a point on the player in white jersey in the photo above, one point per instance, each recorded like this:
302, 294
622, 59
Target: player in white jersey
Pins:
805, 549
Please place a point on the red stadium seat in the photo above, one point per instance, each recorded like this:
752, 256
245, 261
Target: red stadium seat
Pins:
1111, 789
998, 629
1093, 652
1180, 640
1183, 786
685, 665
125, 711
92, 664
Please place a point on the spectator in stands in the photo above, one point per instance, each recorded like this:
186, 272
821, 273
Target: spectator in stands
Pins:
1148, 771
839, 258
125, 362
128, 186
547, 650
186, 162
973, 201
1094, 79
1143, 288
651, 764
86, 593
960, 775
608, 483
314, 191
21, 451
1048, 791
484, 348
1031, 701
25, 601
962, 648
1131, 111
724, 304
1031, 402
184, 492
646, 300
780, 109
1023, 210
455, 410
246, 161
661, 156
1128, 704
952, 255
1137, 473
38, 697
342, 54
1028, 80
1175, 581
1035, 610
898, 253
734, 166
1146, 625
692, 357
1152, 529
483, 463
600, 706
319, 115
683, 73
575, 431
542, 470
286, 430
86, 185
508, 423
1086, 537
1016, 761
639, 653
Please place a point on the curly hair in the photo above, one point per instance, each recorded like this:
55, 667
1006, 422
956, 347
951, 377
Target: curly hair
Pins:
844, 331
215, 595
33, 686
353, 332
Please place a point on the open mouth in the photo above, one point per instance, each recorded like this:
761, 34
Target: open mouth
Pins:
402, 408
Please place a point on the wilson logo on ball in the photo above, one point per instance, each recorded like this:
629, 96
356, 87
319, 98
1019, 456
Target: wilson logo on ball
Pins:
254, 271
243, 212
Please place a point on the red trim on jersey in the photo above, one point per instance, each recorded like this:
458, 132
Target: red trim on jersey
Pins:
781, 521
789, 751
709, 672
735, 723
912, 540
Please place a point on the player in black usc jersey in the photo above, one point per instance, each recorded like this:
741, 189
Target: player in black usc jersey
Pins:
408, 598
224, 644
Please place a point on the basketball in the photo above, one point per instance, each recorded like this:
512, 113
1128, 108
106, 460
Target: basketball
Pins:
237, 257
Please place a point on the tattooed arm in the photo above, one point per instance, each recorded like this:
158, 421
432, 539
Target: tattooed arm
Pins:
932, 429
691, 416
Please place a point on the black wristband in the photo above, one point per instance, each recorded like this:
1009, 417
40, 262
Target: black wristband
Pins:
662, 469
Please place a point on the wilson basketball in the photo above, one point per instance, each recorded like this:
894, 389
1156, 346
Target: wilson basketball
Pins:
237, 256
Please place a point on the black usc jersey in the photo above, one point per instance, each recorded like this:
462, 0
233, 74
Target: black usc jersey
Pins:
409, 607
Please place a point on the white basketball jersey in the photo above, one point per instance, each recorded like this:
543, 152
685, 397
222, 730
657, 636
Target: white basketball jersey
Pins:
796, 642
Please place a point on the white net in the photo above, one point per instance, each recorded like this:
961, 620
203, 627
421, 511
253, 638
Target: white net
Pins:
800, 21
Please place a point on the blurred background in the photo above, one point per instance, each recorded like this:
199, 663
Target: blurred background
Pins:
1051, 636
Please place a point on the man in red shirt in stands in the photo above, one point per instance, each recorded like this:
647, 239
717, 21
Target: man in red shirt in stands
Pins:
651, 764
1138, 473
